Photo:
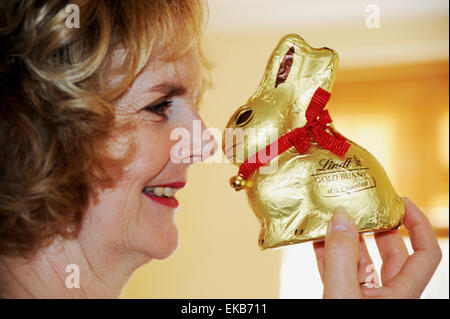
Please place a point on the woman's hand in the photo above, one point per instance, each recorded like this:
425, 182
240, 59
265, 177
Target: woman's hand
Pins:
347, 270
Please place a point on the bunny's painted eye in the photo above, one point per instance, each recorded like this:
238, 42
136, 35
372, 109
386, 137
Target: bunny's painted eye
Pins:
243, 117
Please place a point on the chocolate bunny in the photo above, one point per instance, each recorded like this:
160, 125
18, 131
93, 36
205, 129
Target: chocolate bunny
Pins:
297, 167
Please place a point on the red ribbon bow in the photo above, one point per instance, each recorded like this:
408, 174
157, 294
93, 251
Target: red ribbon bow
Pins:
316, 125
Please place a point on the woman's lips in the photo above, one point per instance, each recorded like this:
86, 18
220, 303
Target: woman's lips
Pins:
170, 201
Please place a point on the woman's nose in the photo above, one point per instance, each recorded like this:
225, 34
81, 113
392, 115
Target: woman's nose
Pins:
195, 142
203, 144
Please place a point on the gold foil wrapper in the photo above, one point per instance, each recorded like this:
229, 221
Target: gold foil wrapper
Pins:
295, 200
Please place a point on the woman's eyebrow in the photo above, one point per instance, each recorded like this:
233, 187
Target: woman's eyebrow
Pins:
169, 89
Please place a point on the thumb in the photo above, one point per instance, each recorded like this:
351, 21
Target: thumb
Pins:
341, 257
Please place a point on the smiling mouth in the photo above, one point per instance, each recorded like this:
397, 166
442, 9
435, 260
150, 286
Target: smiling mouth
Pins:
164, 194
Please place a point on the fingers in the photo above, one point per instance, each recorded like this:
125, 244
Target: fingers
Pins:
393, 252
319, 250
366, 269
340, 256
419, 267
367, 272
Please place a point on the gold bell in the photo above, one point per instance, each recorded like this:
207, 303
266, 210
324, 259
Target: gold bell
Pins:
237, 182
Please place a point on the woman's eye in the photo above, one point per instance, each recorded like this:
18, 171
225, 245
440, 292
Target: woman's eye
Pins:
159, 108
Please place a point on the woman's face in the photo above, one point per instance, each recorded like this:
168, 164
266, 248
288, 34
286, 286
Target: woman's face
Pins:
137, 214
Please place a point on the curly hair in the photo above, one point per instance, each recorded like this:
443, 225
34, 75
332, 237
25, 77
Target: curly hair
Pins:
57, 103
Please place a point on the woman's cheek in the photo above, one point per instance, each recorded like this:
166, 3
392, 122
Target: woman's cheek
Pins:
153, 152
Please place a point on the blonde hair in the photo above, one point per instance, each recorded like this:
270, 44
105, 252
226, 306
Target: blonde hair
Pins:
56, 103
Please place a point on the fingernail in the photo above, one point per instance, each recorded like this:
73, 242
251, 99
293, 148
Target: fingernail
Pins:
341, 220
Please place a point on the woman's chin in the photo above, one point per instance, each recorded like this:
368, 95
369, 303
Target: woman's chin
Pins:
157, 239
168, 247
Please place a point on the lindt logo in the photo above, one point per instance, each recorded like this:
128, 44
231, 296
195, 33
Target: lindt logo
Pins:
329, 164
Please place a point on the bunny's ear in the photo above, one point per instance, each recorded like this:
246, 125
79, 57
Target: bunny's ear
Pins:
295, 60
285, 67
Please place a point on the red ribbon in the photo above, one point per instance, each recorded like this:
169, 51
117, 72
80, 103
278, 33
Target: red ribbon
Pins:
316, 126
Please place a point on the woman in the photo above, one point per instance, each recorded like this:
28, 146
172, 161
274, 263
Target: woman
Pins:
86, 172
